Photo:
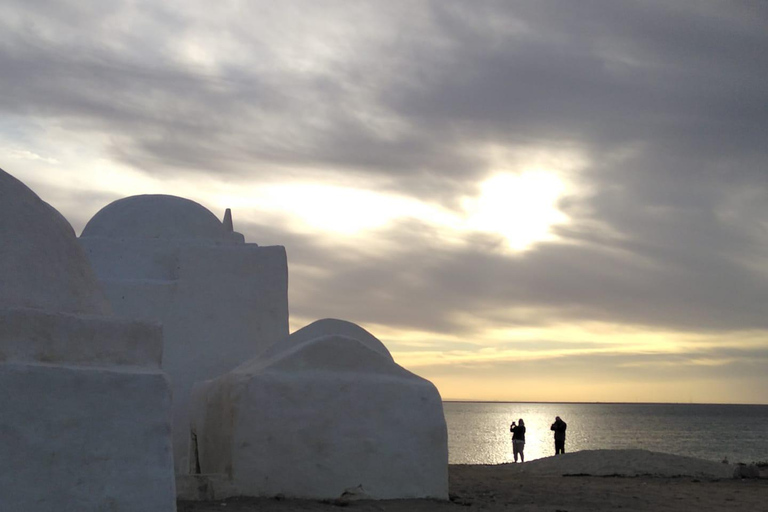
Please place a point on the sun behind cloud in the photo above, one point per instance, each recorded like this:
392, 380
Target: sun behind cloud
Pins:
521, 207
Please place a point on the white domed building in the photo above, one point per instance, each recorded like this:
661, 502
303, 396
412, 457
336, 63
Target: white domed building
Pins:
220, 300
84, 407
321, 411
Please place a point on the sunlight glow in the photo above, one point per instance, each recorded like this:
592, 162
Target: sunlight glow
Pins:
336, 209
521, 207
518, 203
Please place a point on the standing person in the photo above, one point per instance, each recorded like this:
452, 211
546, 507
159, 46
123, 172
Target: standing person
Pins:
559, 427
518, 439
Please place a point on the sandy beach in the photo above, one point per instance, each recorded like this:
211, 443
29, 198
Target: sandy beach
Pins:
600, 480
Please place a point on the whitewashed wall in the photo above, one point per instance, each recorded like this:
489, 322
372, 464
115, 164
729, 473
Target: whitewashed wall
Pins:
220, 301
322, 416
85, 418
84, 408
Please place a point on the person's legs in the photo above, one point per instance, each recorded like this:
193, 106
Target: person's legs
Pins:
515, 449
559, 447
522, 452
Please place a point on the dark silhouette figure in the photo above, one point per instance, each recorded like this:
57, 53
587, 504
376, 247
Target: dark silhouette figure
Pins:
518, 439
559, 427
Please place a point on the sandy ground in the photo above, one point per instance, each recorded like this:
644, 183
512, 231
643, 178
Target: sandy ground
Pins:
644, 482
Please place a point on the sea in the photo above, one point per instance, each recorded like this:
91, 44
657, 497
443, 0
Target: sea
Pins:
478, 432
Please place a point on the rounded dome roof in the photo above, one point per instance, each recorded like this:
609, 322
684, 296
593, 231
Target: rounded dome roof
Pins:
42, 265
327, 327
155, 216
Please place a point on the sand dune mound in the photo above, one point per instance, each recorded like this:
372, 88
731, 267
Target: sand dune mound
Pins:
626, 463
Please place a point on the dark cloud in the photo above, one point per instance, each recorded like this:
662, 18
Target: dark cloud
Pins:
681, 80
665, 101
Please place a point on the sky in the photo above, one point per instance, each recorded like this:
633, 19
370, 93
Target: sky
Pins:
524, 200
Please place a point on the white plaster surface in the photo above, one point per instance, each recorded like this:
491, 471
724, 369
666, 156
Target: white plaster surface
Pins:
320, 417
29, 335
198, 487
41, 264
155, 216
78, 439
84, 408
220, 301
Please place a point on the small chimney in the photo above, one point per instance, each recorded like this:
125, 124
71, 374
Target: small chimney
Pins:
228, 221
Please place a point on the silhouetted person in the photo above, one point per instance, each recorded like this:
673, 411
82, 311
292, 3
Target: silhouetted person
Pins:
518, 439
559, 427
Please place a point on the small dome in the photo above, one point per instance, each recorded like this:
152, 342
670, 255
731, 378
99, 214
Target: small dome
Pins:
339, 353
42, 266
155, 216
323, 328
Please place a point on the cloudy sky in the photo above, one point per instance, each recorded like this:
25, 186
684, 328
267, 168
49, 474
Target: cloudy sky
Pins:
525, 200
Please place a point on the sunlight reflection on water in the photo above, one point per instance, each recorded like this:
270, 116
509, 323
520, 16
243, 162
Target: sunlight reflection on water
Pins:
478, 433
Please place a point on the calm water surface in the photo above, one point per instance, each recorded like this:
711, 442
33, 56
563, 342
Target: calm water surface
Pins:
478, 432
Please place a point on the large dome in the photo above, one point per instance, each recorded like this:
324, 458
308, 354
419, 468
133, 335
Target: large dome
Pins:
42, 266
155, 216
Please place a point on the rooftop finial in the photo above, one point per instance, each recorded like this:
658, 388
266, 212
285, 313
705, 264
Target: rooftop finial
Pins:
228, 221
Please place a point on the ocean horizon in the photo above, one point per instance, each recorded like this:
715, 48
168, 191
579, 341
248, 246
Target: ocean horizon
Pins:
450, 400
478, 431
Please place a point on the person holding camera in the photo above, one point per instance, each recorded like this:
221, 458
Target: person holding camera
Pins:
518, 439
559, 427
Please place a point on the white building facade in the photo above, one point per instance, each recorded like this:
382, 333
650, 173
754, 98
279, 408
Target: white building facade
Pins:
220, 300
85, 411
323, 411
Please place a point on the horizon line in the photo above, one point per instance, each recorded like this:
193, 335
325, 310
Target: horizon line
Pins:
594, 403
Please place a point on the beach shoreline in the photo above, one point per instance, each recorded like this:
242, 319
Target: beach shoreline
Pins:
652, 482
